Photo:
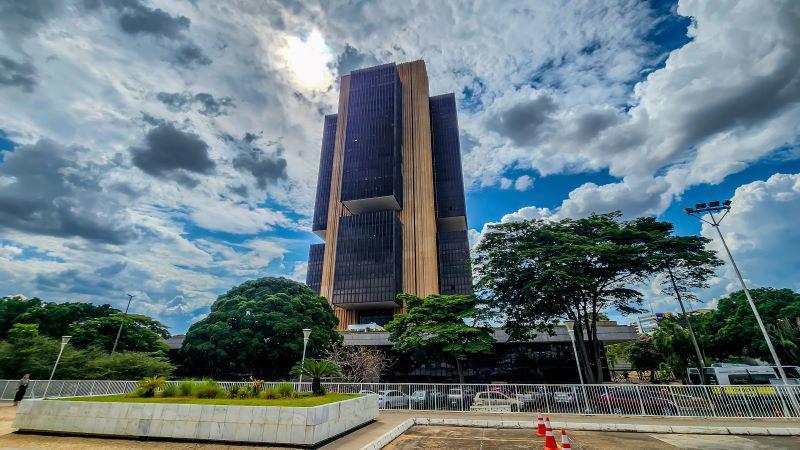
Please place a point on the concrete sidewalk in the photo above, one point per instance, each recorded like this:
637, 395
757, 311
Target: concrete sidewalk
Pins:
389, 420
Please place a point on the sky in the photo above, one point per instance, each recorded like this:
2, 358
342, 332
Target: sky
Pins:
169, 149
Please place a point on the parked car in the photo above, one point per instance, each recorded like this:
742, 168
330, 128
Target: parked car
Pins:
630, 401
366, 391
461, 396
493, 398
564, 395
427, 398
388, 399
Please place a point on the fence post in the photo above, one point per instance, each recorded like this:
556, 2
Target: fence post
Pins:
608, 402
674, 401
641, 402
77, 385
91, 388
546, 401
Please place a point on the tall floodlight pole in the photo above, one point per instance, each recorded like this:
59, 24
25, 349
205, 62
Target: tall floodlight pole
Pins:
715, 207
306, 334
64, 341
124, 316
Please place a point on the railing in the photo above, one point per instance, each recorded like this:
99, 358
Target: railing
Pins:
757, 401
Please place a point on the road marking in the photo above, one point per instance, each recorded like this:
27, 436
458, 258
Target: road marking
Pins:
707, 442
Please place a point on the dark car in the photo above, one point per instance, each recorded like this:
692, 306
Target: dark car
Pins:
630, 401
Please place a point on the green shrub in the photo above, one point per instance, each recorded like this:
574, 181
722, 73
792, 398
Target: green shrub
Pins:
269, 393
244, 393
208, 389
233, 392
170, 390
285, 390
138, 392
186, 388
150, 384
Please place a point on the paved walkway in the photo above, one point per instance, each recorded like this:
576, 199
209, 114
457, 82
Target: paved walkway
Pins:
387, 421
463, 438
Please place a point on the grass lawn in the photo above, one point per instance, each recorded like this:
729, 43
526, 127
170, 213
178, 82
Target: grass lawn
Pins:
301, 401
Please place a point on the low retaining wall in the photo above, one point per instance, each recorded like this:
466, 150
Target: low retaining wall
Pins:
258, 424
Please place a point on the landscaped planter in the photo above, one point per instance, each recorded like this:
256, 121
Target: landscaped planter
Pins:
303, 426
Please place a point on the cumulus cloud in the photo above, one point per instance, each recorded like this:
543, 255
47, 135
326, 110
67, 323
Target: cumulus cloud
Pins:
49, 192
523, 183
170, 153
761, 232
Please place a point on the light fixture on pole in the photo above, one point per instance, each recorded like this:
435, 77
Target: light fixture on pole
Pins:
64, 341
306, 334
716, 207
124, 316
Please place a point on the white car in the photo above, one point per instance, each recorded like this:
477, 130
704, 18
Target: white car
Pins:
493, 398
389, 399
366, 392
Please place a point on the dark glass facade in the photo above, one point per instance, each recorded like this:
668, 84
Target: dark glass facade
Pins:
373, 145
455, 274
314, 272
324, 178
447, 175
369, 258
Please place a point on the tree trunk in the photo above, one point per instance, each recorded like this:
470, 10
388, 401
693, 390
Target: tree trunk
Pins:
460, 372
316, 386
582, 354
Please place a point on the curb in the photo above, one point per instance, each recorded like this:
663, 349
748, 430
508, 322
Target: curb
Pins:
384, 440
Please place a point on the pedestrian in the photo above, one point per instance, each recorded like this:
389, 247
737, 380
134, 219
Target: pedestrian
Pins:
23, 386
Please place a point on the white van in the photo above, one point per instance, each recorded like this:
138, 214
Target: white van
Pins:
730, 374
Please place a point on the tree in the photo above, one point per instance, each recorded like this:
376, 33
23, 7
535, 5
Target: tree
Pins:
359, 364
534, 273
435, 328
317, 369
731, 330
687, 265
25, 351
139, 334
674, 344
230, 341
644, 356
787, 340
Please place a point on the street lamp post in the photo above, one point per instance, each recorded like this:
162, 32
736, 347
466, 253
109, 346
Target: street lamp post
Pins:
64, 341
715, 207
571, 331
306, 334
124, 316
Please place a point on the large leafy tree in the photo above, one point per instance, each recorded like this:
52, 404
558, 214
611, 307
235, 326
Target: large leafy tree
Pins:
434, 328
25, 351
731, 330
140, 333
230, 341
535, 273
90, 325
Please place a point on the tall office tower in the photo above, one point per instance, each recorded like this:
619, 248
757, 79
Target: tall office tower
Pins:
390, 197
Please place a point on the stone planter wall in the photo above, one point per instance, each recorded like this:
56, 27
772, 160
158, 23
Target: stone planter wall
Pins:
258, 424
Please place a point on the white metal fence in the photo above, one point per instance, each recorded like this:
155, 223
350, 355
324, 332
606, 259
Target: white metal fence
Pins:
602, 399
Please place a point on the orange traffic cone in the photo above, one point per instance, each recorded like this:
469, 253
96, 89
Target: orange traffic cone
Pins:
549, 440
540, 429
565, 440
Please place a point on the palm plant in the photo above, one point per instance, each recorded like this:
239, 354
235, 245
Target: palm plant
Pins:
150, 384
316, 369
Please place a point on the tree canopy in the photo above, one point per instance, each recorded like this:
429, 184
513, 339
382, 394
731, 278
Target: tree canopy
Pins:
230, 341
90, 325
25, 351
534, 273
433, 328
731, 330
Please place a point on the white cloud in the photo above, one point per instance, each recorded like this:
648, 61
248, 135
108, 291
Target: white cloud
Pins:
523, 183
